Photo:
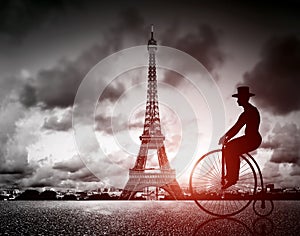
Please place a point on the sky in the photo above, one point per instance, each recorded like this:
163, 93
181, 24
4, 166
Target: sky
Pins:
47, 48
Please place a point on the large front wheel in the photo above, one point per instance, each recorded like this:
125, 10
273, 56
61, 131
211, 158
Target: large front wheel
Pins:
206, 187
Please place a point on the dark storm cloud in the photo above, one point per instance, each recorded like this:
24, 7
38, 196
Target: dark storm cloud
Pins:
15, 170
276, 77
284, 141
11, 175
131, 25
28, 95
18, 18
57, 87
203, 44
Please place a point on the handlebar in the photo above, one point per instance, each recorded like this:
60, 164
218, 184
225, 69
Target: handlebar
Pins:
225, 141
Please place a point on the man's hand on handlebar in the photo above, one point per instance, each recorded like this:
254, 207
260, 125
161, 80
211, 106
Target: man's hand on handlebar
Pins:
223, 140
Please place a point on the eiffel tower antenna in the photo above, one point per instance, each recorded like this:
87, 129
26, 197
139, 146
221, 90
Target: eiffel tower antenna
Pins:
152, 138
152, 31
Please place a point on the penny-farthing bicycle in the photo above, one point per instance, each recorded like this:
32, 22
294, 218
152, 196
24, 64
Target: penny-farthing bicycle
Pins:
207, 179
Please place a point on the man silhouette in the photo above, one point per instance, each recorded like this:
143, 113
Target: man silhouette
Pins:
246, 143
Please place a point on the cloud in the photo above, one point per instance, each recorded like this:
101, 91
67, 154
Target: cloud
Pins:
295, 170
65, 174
28, 95
84, 175
54, 89
284, 141
203, 44
283, 175
18, 18
57, 87
130, 29
9, 86
103, 123
271, 173
71, 165
276, 77
42, 177
20, 128
13, 154
62, 123
113, 124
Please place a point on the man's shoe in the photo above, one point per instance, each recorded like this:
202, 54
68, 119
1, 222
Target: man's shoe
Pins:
228, 184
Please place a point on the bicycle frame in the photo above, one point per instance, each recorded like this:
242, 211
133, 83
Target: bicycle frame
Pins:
223, 165
258, 169
263, 203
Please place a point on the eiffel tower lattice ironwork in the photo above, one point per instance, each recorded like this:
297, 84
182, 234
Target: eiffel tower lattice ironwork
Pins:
152, 138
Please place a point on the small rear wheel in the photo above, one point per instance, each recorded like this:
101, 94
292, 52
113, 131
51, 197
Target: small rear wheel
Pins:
263, 207
205, 186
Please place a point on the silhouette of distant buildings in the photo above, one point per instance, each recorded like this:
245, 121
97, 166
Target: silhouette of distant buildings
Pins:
50, 194
270, 192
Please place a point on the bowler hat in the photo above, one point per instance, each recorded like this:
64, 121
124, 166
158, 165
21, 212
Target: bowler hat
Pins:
243, 91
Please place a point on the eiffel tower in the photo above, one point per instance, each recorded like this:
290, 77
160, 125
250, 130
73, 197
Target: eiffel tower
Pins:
141, 177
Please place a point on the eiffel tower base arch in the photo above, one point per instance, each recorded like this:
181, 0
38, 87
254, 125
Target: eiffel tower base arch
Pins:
165, 179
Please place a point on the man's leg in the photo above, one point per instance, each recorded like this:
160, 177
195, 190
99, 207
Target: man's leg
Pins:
232, 153
232, 162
